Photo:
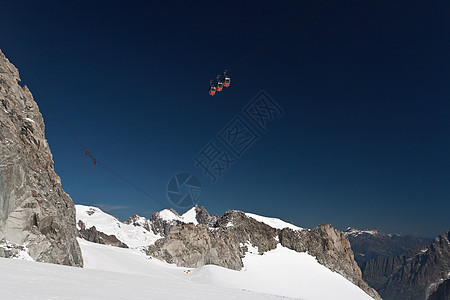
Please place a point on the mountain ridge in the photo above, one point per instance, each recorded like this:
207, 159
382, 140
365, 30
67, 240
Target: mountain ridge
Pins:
411, 275
194, 240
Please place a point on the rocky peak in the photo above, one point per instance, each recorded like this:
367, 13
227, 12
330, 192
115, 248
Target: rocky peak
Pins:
137, 220
226, 243
203, 217
34, 210
161, 221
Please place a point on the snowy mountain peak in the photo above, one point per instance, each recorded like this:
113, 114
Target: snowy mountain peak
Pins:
129, 233
171, 215
356, 232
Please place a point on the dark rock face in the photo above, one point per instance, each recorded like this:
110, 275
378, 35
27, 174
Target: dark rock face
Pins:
410, 275
226, 243
370, 244
34, 209
248, 230
92, 235
161, 226
442, 291
193, 246
203, 217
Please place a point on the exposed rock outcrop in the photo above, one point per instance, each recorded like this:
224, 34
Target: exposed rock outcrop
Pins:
226, 243
34, 209
136, 220
204, 217
193, 246
92, 235
441, 292
160, 225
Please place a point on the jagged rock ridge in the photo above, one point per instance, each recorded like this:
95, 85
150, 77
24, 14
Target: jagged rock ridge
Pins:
34, 209
225, 244
198, 238
411, 275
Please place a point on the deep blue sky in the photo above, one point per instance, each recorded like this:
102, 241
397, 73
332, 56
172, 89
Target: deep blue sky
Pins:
365, 86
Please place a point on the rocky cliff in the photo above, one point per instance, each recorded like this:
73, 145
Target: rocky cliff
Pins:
441, 292
228, 239
412, 275
35, 212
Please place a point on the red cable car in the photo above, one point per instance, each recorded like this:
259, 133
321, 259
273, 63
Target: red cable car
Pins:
226, 82
219, 86
212, 90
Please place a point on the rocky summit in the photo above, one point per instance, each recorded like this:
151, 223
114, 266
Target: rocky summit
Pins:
226, 241
35, 213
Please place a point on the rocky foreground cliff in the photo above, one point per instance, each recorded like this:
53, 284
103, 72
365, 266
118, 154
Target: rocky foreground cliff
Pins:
35, 213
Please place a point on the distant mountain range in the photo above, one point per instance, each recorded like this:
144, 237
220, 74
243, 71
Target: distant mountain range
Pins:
370, 244
403, 267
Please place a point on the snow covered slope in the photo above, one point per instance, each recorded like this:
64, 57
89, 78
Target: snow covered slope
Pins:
281, 272
273, 222
129, 274
133, 236
29, 280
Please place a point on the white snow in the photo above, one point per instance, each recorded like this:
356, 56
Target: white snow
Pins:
142, 221
118, 273
273, 222
187, 217
28, 119
133, 236
22, 255
356, 232
281, 272
190, 216
168, 215
25, 280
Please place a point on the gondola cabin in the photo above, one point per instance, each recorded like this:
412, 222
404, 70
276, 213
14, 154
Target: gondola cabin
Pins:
227, 82
219, 86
